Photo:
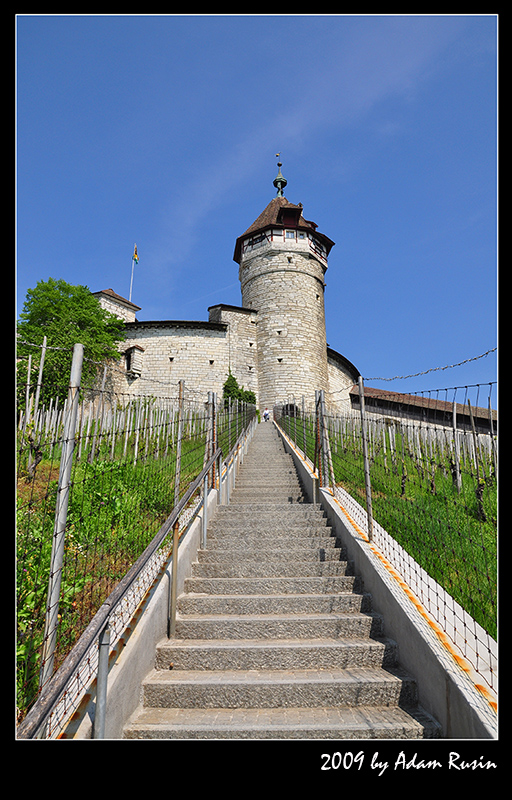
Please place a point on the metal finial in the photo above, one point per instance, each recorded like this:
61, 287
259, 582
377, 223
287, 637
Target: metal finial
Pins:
279, 182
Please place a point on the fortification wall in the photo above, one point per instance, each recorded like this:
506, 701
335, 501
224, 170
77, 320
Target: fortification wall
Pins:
167, 352
337, 397
242, 342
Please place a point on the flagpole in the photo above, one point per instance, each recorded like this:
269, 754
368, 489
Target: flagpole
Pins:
131, 281
135, 258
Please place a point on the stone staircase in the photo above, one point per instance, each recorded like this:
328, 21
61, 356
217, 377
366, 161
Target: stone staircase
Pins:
275, 638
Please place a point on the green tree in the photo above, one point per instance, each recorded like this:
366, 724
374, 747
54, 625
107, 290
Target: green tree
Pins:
232, 390
65, 314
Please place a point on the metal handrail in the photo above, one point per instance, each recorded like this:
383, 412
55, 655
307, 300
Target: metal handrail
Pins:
50, 694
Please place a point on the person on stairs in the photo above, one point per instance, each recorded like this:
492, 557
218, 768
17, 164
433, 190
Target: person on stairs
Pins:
266, 415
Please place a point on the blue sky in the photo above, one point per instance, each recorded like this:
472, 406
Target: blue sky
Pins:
163, 130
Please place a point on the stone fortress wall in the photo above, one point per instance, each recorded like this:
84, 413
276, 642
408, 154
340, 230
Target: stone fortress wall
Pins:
274, 343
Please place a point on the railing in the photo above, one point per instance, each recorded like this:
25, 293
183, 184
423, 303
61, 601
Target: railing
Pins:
424, 496
91, 546
99, 629
89, 658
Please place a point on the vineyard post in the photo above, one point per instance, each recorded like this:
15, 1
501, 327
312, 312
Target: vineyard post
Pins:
328, 472
178, 445
456, 455
493, 445
213, 411
304, 427
97, 416
40, 376
61, 509
367, 482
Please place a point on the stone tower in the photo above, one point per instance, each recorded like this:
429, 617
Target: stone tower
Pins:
283, 260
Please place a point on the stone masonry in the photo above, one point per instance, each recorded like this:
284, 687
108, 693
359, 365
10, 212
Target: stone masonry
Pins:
274, 343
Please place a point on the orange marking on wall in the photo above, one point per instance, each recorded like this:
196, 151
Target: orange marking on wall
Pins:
441, 635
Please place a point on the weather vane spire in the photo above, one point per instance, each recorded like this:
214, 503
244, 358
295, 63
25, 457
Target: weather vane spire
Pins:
279, 182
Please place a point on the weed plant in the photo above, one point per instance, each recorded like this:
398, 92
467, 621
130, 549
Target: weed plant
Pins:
115, 509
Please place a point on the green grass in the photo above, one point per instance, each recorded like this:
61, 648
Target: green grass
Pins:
116, 507
451, 534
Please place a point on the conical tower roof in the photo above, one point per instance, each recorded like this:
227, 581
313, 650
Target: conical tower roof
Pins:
280, 213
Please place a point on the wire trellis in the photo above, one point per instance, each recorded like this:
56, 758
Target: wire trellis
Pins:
133, 459
428, 500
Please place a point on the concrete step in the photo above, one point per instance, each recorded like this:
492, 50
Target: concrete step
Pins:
247, 654
281, 569
266, 485
219, 556
273, 604
330, 625
268, 688
272, 533
285, 496
282, 723
296, 518
248, 541
283, 512
275, 637
270, 585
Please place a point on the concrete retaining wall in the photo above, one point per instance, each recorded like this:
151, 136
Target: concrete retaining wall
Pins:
130, 665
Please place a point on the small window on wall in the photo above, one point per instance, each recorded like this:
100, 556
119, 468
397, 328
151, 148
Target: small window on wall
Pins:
290, 234
133, 360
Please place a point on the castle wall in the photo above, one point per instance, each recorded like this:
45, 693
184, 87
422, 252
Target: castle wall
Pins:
274, 344
167, 352
341, 381
242, 343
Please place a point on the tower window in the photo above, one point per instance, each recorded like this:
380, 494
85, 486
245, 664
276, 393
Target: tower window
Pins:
290, 234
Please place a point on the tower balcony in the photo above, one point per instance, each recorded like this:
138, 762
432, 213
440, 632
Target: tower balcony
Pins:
292, 239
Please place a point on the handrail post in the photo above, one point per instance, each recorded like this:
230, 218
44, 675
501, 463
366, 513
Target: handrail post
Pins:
98, 728
205, 511
219, 473
171, 628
